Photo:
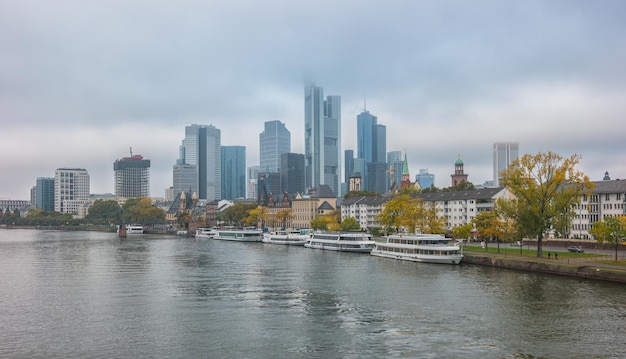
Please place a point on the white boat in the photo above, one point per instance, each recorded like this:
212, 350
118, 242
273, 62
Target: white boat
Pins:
205, 233
133, 229
344, 242
292, 238
239, 235
428, 248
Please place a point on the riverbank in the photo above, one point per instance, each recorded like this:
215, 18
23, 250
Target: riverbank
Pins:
581, 268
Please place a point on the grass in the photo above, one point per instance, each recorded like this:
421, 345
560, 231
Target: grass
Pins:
504, 249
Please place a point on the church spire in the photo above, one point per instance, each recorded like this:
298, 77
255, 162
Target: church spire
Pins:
406, 177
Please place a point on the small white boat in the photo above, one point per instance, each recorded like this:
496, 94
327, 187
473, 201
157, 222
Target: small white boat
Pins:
205, 233
428, 248
344, 242
239, 235
291, 238
133, 229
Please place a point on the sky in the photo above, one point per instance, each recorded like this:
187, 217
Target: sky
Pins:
83, 82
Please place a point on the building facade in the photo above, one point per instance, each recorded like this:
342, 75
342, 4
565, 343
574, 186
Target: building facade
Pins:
202, 148
371, 147
459, 175
44, 193
322, 138
252, 185
608, 199
425, 179
273, 142
132, 177
292, 173
364, 210
71, 189
233, 172
185, 179
503, 154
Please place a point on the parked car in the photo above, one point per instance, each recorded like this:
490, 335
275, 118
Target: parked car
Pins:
516, 244
575, 249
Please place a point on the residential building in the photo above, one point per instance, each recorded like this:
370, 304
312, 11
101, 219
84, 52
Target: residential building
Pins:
364, 210
305, 207
202, 147
71, 189
132, 177
44, 193
503, 154
608, 199
273, 142
322, 136
233, 172
292, 173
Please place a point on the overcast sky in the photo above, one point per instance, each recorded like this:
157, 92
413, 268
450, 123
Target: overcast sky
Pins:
83, 81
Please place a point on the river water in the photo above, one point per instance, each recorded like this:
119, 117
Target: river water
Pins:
92, 295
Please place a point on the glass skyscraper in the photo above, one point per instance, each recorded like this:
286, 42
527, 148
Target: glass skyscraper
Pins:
503, 154
233, 172
322, 138
273, 142
202, 148
372, 148
44, 193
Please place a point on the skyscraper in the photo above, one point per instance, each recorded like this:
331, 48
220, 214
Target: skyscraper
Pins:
292, 173
71, 189
503, 154
44, 193
202, 147
273, 142
132, 177
322, 138
348, 158
185, 179
425, 179
252, 182
371, 147
233, 172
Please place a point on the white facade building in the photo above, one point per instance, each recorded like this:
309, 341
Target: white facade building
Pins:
608, 199
363, 209
503, 154
71, 189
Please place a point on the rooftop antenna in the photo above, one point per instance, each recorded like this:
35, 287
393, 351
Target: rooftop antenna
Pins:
364, 104
131, 151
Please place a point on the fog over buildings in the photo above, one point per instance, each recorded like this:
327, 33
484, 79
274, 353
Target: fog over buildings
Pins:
82, 82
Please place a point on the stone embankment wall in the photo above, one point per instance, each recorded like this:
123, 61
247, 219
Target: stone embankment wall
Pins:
579, 270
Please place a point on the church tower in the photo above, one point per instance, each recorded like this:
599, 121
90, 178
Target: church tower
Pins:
406, 177
458, 177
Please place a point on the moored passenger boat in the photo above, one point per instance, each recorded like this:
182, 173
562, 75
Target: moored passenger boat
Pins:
133, 229
292, 238
205, 233
344, 242
429, 248
239, 235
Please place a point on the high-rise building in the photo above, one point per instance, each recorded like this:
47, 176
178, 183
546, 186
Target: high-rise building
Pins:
252, 182
503, 154
71, 189
376, 177
322, 138
44, 193
132, 177
425, 179
371, 147
292, 173
273, 142
348, 167
185, 179
202, 147
233, 172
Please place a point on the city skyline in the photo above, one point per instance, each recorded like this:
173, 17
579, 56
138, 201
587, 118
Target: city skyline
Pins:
79, 87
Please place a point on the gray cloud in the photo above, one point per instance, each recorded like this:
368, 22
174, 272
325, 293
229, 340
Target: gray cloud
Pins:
80, 82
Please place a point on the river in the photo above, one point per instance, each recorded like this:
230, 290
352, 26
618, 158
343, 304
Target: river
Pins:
93, 295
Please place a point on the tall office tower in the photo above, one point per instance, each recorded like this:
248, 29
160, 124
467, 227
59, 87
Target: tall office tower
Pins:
376, 177
252, 182
273, 142
185, 179
202, 147
425, 179
503, 154
322, 138
394, 167
371, 146
233, 172
292, 173
71, 189
132, 176
44, 193
348, 159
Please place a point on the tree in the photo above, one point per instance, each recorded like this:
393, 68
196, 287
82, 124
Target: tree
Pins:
612, 230
546, 185
141, 210
284, 217
352, 194
104, 212
350, 225
390, 216
257, 217
235, 214
463, 231
432, 223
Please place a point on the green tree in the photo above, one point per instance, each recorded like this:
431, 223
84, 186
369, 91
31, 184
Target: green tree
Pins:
319, 223
546, 185
257, 217
352, 194
463, 231
612, 230
350, 225
104, 212
235, 214
141, 210
431, 222
283, 217
391, 215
